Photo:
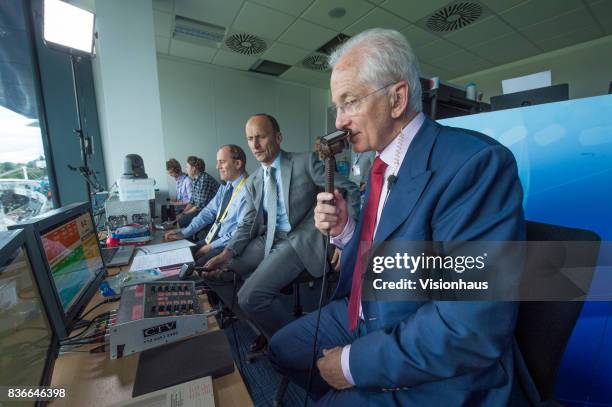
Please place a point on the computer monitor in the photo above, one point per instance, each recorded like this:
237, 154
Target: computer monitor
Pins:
29, 346
68, 266
537, 96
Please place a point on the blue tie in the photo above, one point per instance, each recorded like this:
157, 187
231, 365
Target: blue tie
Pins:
271, 203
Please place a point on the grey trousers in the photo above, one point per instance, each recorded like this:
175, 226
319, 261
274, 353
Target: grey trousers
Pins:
259, 281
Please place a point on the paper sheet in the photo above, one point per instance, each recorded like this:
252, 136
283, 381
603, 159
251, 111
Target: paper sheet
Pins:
166, 246
196, 393
144, 261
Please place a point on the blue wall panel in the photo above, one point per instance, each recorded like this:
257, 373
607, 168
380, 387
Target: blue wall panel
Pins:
564, 155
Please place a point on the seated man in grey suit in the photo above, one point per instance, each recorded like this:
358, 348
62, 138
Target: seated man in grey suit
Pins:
277, 239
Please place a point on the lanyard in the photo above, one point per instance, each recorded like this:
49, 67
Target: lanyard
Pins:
231, 200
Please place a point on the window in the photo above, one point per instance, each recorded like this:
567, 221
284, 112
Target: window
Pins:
25, 190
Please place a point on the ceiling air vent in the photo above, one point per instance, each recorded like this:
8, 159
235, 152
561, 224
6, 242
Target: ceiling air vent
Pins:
454, 16
246, 44
316, 62
332, 44
269, 67
197, 31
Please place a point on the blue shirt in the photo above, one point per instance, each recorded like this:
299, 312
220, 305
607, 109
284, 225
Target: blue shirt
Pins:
183, 188
282, 220
208, 215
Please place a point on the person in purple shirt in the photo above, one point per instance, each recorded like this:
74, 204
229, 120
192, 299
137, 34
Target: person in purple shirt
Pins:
183, 182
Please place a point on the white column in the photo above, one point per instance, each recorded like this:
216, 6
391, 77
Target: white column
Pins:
127, 87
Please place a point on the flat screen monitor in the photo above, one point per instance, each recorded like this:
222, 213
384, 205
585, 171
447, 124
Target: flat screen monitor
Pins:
28, 344
549, 94
69, 265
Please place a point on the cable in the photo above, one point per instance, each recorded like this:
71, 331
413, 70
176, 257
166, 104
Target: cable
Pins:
316, 334
106, 301
105, 315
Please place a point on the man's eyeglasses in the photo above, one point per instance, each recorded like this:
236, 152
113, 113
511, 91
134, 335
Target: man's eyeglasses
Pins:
352, 107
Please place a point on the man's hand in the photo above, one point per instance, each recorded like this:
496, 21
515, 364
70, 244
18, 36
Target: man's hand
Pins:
202, 251
173, 235
330, 367
219, 260
330, 218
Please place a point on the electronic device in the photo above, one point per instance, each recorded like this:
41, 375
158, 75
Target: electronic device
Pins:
133, 234
68, 27
549, 94
133, 167
29, 346
155, 313
117, 256
122, 213
66, 260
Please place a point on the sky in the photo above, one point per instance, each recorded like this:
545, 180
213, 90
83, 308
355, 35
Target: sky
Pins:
19, 143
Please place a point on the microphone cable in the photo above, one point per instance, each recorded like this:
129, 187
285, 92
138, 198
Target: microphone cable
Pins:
316, 334
391, 180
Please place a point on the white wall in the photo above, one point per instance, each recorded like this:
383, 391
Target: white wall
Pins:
205, 106
585, 67
127, 90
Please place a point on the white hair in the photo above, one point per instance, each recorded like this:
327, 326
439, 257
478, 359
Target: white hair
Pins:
387, 58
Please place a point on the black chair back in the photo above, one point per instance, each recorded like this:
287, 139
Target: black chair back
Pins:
544, 327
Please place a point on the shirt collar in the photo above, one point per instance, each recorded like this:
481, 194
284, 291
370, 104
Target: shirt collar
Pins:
235, 182
408, 132
275, 163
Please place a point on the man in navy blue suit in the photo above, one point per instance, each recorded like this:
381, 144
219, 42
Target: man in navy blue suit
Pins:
428, 183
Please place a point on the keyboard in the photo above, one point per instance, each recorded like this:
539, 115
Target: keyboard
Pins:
117, 256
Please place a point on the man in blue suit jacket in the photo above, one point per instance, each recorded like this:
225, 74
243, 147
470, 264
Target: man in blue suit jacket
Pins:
431, 183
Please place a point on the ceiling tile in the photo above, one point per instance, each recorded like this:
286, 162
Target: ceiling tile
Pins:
510, 47
570, 38
261, 20
319, 12
374, 19
602, 10
535, 11
413, 10
307, 77
417, 37
435, 50
219, 12
293, 7
462, 62
501, 5
163, 23
306, 35
479, 32
430, 71
192, 51
559, 25
164, 5
162, 44
285, 54
233, 60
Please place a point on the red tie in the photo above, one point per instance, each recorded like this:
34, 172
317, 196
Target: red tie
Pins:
377, 177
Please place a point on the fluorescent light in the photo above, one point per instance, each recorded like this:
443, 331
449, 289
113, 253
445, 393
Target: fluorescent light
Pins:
68, 26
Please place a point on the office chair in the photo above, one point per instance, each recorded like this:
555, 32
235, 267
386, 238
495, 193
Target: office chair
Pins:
544, 327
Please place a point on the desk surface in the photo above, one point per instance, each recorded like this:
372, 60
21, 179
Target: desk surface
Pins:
95, 380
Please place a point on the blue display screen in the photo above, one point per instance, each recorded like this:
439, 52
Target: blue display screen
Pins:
564, 156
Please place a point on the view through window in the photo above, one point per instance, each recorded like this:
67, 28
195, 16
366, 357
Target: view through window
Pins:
24, 183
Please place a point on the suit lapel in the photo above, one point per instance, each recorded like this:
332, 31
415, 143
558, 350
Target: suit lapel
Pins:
286, 169
412, 179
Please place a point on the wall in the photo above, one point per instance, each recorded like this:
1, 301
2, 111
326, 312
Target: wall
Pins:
125, 73
205, 106
586, 67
